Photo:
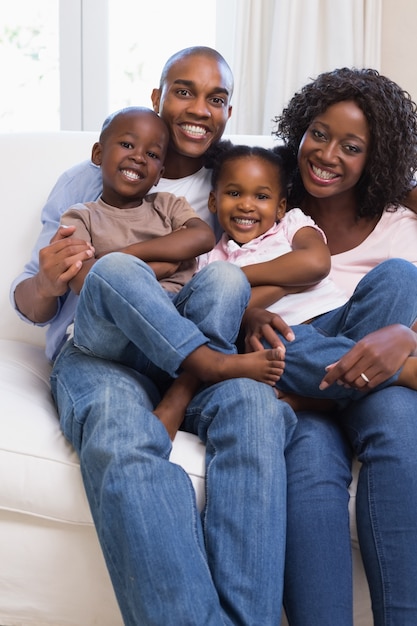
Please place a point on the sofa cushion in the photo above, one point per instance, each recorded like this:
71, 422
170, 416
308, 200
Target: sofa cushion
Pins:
40, 469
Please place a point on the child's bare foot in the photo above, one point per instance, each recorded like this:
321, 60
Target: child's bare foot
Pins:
408, 374
265, 366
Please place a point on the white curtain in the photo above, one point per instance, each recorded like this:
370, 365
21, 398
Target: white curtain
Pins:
275, 46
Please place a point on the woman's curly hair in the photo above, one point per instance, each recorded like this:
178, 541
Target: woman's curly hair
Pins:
392, 120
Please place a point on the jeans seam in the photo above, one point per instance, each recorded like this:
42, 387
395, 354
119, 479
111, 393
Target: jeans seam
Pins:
379, 548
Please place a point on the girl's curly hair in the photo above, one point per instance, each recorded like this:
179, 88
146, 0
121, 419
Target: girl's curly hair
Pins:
392, 119
280, 156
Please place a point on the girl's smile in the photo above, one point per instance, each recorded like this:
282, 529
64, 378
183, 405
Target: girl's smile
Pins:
248, 198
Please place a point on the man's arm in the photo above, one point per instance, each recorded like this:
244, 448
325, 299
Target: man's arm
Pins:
45, 276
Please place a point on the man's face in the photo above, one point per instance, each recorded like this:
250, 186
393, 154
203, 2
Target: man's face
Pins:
194, 102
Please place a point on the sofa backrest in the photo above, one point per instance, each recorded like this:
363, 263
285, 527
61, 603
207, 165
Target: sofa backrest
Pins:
30, 164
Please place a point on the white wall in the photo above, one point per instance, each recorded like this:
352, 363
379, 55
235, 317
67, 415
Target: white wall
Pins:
399, 43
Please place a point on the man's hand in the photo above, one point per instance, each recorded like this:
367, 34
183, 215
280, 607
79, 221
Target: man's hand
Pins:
61, 261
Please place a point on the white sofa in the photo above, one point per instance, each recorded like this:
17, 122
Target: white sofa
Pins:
52, 572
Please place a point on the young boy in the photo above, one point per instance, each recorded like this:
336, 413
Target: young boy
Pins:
154, 228
130, 154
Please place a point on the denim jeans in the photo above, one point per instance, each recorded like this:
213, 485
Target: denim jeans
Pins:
381, 430
170, 566
124, 315
386, 295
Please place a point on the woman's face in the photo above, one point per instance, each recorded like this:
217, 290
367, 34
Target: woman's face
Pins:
333, 151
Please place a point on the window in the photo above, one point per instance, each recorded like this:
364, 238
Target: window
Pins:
29, 65
68, 63
143, 35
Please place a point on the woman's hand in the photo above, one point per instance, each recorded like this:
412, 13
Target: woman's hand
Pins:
259, 325
375, 358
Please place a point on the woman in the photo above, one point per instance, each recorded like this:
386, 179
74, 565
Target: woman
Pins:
354, 135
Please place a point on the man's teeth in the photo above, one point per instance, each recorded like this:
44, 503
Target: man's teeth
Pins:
198, 131
130, 174
243, 221
324, 174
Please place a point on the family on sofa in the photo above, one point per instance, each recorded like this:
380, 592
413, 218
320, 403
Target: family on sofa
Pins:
275, 525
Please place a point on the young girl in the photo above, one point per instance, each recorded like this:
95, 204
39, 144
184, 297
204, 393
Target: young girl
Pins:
249, 196
249, 191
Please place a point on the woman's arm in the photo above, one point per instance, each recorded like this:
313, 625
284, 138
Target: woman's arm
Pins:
380, 354
410, 200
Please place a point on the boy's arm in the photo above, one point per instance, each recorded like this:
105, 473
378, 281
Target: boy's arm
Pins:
306, 265
186, 243
195, 238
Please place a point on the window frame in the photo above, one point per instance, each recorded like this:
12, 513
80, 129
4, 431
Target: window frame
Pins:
84, 65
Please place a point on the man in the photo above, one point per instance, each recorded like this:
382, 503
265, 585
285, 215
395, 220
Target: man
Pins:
167, 565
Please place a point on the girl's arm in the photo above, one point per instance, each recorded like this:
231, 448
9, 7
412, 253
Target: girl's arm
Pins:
265, 295
307, 264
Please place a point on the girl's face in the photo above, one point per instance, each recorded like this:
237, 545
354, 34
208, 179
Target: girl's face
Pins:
334, 149
248, 198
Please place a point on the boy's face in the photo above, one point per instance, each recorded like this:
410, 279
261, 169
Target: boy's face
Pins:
194, 102
131, 157
248, 198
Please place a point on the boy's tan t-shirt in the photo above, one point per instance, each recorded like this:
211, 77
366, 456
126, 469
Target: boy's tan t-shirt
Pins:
110, 229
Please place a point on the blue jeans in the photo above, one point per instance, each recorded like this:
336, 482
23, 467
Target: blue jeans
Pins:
170, 566
381, 430
386, 295
124, 314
